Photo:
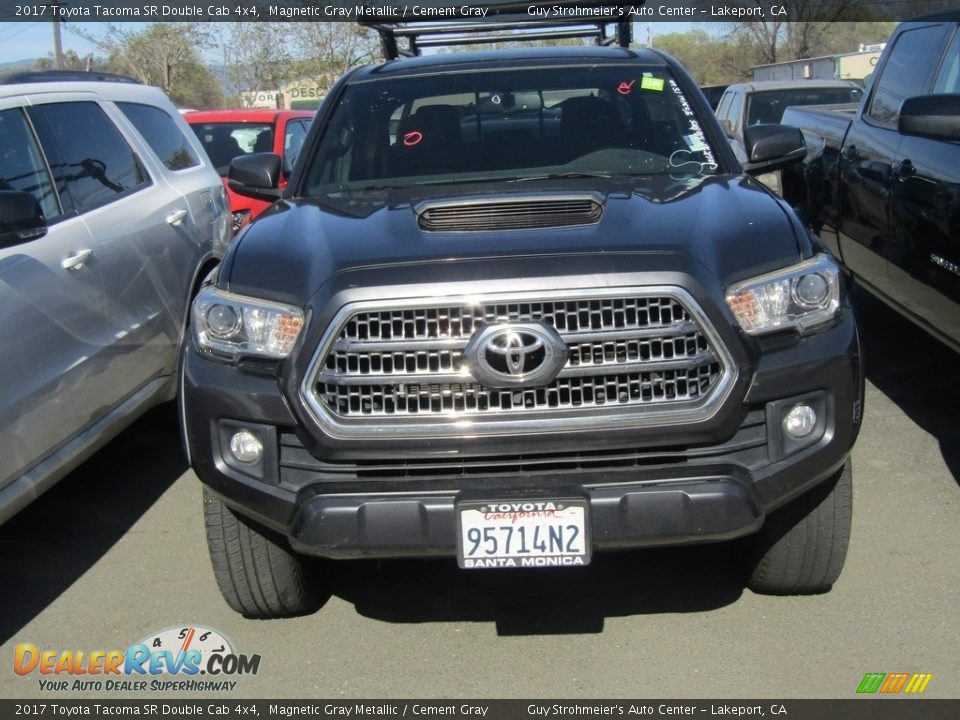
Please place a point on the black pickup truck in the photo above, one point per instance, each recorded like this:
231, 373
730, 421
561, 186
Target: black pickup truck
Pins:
881, 185
515, 307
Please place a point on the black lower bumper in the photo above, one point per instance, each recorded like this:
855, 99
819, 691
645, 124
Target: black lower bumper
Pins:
628, 515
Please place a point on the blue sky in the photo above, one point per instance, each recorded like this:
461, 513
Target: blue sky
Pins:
26, 40
23, 41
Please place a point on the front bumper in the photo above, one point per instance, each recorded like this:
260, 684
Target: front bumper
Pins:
622, 516
657, 490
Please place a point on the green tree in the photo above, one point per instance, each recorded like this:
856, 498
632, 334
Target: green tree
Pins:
71, 61
163, 54
326, 50
710, 60
816, 27
730, 56
259, 56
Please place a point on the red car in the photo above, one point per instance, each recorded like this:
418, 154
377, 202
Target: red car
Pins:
225, 134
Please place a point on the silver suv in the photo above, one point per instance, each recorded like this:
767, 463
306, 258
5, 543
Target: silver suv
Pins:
110, 217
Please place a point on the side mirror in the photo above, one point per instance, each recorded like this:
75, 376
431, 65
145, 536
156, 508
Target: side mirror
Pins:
21, 218
931, 116
772, 147
256, 176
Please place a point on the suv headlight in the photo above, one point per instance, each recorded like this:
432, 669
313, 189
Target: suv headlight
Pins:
235, 325
799, 297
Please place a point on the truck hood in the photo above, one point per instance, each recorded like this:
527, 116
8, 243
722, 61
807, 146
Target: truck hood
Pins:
729, 225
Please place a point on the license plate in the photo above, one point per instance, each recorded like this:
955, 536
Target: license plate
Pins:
524, 533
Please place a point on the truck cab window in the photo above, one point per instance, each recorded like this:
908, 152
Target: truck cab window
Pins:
948, 80
906, 73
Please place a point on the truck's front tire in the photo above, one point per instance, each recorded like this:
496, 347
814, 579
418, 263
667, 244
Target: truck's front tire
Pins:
258, 574
802, 546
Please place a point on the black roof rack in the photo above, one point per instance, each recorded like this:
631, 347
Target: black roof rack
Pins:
510, 22
40, 76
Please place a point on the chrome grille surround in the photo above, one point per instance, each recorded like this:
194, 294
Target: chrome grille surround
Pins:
639, 356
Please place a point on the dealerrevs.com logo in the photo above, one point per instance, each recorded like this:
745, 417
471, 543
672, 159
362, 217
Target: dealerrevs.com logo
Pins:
170, 660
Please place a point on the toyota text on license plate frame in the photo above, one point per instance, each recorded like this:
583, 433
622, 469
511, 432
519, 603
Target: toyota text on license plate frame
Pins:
523, 533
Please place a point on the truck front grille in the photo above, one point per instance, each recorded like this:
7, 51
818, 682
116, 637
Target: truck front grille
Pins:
630, 351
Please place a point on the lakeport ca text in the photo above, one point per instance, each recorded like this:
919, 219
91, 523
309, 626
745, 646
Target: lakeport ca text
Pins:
661, 710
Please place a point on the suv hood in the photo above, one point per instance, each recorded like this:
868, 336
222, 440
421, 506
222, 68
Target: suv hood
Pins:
730, 226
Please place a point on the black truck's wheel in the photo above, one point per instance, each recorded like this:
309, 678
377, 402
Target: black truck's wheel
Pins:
802, 546
258, 574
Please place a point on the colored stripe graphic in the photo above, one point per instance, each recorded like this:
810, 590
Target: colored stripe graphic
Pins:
894, 682
871, 682
918, 682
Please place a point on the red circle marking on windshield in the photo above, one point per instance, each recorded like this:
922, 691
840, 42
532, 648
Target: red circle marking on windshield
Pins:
414, 137
624, 88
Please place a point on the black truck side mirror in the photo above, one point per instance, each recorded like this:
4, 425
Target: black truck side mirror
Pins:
931, 116
772, 147
256, 175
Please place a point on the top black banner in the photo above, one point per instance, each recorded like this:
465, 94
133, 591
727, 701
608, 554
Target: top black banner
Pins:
698, 11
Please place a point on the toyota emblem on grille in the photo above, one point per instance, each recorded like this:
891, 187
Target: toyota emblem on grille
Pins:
517, 348
515, 355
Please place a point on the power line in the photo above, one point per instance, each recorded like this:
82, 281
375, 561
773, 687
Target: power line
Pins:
16, 29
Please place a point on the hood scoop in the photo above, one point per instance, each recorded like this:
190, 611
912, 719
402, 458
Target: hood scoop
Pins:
510, 213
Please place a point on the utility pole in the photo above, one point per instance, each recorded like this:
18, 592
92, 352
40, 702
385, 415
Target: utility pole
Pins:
57, 43
226, 64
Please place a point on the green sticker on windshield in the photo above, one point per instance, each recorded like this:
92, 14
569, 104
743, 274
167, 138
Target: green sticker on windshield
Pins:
651, 83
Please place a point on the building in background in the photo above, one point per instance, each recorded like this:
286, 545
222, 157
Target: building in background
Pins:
846, 66
304, 93
260, 98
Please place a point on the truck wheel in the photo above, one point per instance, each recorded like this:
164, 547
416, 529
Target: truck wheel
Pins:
258, 574
801, 547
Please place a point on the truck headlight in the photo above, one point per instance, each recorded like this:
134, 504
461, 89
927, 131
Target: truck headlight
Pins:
235, 325
799, 297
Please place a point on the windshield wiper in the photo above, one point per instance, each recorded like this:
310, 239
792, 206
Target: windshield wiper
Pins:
464, 181
562, 176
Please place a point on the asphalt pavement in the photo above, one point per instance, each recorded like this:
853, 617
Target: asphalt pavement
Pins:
116, 552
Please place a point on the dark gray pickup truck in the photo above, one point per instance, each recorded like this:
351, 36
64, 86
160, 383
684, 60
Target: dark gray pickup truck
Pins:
515, 307
881, 184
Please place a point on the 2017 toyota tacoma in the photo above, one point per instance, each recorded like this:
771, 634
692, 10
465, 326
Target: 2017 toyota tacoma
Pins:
515, 307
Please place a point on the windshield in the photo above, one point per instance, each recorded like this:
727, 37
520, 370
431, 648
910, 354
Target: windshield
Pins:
502, 126
224, 141
767, 107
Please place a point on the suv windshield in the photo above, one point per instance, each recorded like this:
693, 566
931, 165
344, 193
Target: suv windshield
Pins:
768, 106
517, 125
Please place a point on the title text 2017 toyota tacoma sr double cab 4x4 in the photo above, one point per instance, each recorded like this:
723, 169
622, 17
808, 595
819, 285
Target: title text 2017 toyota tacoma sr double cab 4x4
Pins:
514, 308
